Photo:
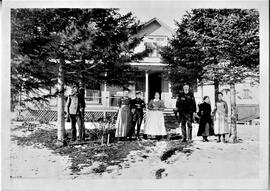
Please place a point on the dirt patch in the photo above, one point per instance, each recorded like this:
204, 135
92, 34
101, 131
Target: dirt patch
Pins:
173, 147
159, 173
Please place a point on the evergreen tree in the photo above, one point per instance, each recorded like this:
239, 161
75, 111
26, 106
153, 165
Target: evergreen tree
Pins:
61, 46
223, 45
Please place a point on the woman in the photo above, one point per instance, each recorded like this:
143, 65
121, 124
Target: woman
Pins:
154, 124
124, 118
206, 124
221, 118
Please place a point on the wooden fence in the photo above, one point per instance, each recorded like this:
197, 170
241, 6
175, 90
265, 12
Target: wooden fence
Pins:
51, 115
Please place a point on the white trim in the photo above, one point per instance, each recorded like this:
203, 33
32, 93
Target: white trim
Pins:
147, 64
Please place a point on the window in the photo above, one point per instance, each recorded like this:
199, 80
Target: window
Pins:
154, 47
246, 94
93, 94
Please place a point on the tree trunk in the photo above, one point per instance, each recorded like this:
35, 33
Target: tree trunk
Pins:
216, 85
60, 105
233, 130
201, 85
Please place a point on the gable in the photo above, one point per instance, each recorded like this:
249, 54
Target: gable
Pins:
150, 28
155, 27
162, 31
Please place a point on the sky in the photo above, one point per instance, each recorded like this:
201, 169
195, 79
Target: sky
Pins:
167, 15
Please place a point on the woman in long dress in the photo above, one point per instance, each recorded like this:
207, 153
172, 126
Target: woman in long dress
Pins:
154, 124
206, 123
221, 127
124, 118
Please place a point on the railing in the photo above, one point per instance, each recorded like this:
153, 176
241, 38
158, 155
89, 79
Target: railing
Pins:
51, 115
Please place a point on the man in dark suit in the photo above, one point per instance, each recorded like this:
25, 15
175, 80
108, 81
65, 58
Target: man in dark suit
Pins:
186, 107
137, 106
75, 108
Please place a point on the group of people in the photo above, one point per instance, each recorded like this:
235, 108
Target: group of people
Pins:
186, 113
131, 114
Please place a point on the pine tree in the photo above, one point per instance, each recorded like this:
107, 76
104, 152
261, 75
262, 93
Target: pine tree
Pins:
61, 46
216, 45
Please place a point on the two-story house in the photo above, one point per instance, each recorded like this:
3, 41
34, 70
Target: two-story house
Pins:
152, 78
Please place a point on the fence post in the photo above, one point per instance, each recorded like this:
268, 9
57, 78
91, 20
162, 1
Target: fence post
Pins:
104, 115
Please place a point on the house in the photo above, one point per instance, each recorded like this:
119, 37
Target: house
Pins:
152, 78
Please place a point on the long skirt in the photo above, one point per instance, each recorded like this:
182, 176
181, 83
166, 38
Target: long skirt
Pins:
123, 122
221, 124
205, 127
154, 123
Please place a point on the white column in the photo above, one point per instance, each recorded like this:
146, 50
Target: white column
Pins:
170, 86
105, 94
146, 87
106, 98
105, 87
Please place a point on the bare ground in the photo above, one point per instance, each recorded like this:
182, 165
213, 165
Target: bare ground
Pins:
33, 155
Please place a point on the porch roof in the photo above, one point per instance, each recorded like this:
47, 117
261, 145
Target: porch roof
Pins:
149, 66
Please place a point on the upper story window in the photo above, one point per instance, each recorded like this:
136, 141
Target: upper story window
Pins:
246, 94
155, 44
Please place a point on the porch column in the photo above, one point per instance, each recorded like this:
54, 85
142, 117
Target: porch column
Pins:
169, 86
146, 87
106, 98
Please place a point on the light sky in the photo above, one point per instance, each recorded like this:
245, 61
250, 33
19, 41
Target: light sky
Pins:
167, 15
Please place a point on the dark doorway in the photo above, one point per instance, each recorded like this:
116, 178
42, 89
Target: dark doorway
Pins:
154, 84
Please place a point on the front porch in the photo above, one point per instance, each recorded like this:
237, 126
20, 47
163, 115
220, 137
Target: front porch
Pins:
150, 79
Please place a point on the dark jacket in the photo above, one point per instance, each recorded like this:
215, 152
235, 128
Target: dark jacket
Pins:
137, 104
185, 103
81, 97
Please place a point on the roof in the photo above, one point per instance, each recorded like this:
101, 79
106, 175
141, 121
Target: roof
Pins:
160, 22
154, 25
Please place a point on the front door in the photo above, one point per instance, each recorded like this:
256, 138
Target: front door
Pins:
154, 84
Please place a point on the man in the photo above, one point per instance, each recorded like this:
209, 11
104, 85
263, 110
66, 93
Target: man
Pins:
75, 108
137, 106
81, 97
186, 107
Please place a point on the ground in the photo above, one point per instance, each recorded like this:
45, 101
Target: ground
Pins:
32, 157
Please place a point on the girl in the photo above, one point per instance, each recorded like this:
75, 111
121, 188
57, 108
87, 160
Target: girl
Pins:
206, 124
221, 118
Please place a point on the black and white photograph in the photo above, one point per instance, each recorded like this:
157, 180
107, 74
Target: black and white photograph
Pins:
135, 95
